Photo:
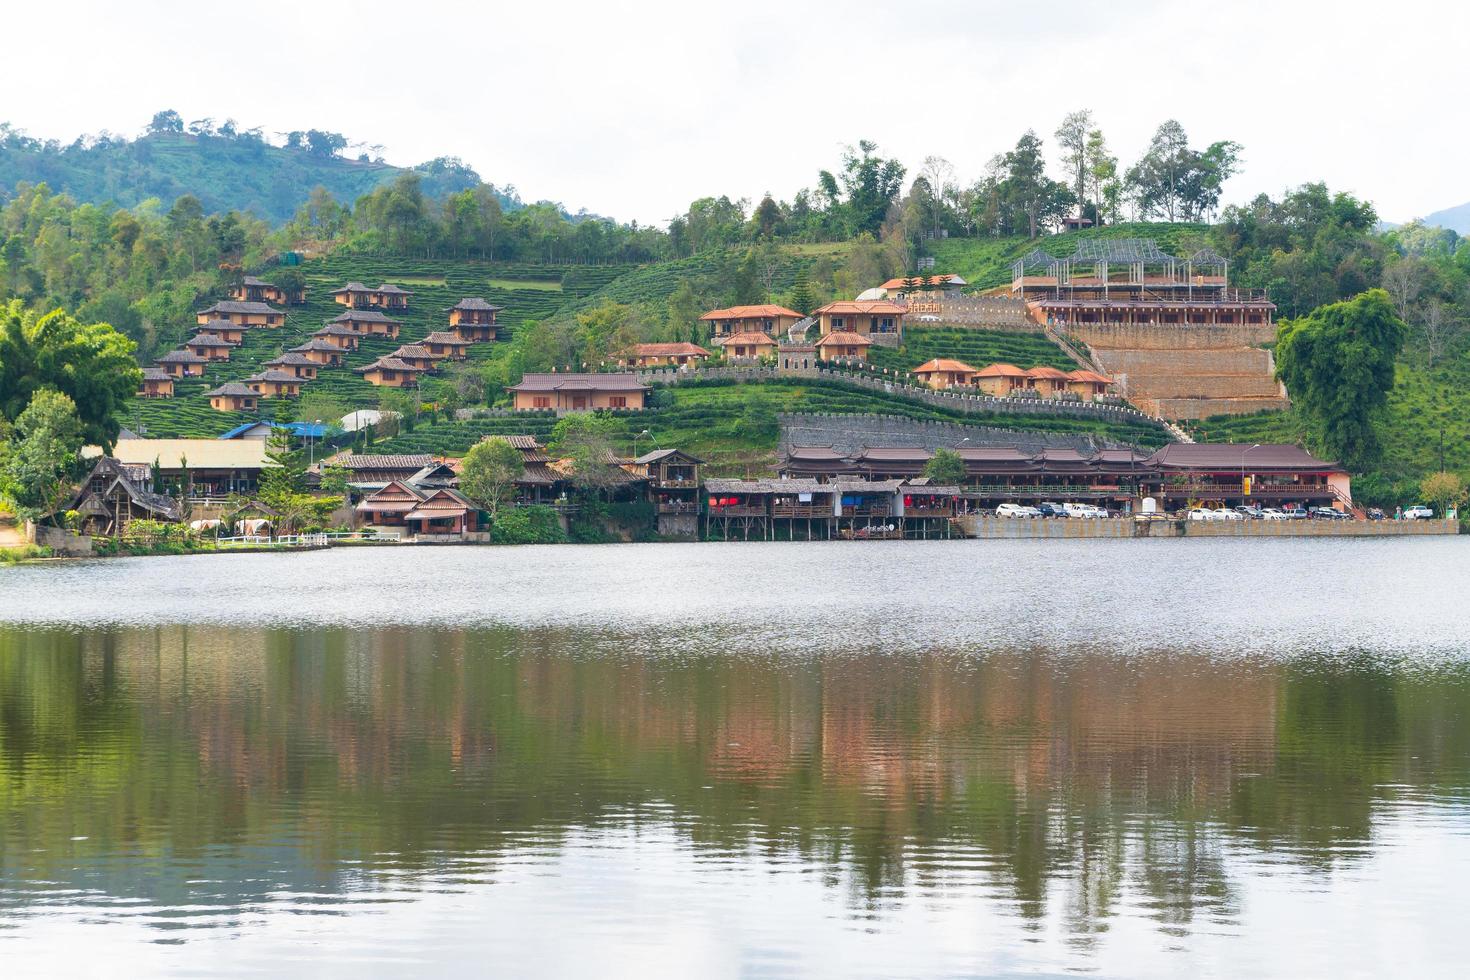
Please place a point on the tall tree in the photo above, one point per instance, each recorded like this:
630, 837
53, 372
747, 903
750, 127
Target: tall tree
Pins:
37, 469
1337, 363
488, 476
1102, 172
1072, 139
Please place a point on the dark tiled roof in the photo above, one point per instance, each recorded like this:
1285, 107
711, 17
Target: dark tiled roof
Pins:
446, 337
388, 364
292, 358
232, 388
1234, 455
180, 357
208, 340
365, 461
475, 303
279, 377
318, 345
236, 306
156, 374
659, 454
363, 316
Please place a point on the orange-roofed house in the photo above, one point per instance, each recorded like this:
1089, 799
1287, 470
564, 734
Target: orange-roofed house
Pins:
766, 318
907, 286
747, 346
1047, 381
682, 355
1088, 384
941, 372
843, 345
871, 318
1001, 379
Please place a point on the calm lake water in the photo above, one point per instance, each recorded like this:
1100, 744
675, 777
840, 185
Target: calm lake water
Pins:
1118, 758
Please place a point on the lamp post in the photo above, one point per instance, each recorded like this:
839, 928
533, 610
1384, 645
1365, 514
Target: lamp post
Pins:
311, 444
1243, 454
638, 436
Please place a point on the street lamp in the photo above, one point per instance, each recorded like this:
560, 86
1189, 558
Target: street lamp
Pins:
1242, 470
638, 436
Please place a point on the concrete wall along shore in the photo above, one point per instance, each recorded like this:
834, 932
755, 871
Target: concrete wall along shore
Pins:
992, 527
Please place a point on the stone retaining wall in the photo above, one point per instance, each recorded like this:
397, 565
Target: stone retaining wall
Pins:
849, 433
989, 526
1180, 336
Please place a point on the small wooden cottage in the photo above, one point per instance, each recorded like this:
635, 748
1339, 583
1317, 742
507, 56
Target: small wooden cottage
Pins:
232, 333
297, 365
390, 372
663, 355
209, 346
243, 314
157, 383
320, 352
275, 384
369, 323
338, 335
114, 494
843, 345
1001, 379
1047, 381
1088, 384
942, 372
673, 488
233, 397
417, 356
446, 344
474, 319
253, 290
747, 346
182, 364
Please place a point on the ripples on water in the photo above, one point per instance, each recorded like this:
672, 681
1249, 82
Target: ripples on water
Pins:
1141, 758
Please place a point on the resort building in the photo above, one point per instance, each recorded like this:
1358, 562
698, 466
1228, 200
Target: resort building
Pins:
422, 512
942, 372
908, 286
242, 314
746, 346
875, 318
198, 468
1131, 281
446, 345
182, 364
784, 508
843, 345
232, 333
320, 352
253, 290
338, 335
1046, 381
1089, 384
474, 319
663, 355
767, 318
1001, 379
386, 296
233, 397
390, 372
114, 494
209, 346
372, 471
416, 356
673, 487
579, 392
368, 323
1234, 473
294, 363
157, 383
275, 384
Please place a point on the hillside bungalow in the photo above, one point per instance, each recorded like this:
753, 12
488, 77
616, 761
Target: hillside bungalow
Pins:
766, 318
338, 335
1046, 381
1001, 379
446, 345
182, 364
390, 372
242, 314
114, 494
388, 506
378, 470
369, 323
941, 282
204, 467
673, 488
682, 355
1089, 384
232, 333
157, 383
874, 318
579, 392
474, 319
942, 372
320, 352
295, 364
747, 346
275, 384
844, 345
386, 296
444, 512
417, 356
209, 346
253, 290
233, 397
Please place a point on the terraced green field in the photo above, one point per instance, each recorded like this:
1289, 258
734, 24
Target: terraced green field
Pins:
976, 348
733, 427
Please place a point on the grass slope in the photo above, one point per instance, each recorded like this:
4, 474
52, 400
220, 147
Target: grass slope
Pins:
976, 348
733, 427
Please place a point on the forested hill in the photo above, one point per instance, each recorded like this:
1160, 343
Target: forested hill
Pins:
224, 171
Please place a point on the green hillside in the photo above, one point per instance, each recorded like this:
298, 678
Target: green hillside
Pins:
975, 347
241, 173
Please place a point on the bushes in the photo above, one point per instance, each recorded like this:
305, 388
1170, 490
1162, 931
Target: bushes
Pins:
24, 552
537, 524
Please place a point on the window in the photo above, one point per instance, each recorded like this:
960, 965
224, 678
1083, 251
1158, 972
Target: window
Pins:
541, 401
618, 401
838, 323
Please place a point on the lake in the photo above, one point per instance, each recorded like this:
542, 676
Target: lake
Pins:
1115, 758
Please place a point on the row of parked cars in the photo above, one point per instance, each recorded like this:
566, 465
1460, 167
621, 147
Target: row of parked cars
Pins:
1249, 512
1051, 510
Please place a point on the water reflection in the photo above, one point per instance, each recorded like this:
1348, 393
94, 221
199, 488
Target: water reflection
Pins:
199, 780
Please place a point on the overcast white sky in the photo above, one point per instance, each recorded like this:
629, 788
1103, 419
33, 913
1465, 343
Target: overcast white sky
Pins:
634, 109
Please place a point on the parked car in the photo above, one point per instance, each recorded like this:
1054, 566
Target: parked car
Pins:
1376, 514
928, 318
1202, 514
1418, 512
1016, 510
1272, 514
1295, 512
1248, 510
1328, 514
1051, 510
1228, 515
